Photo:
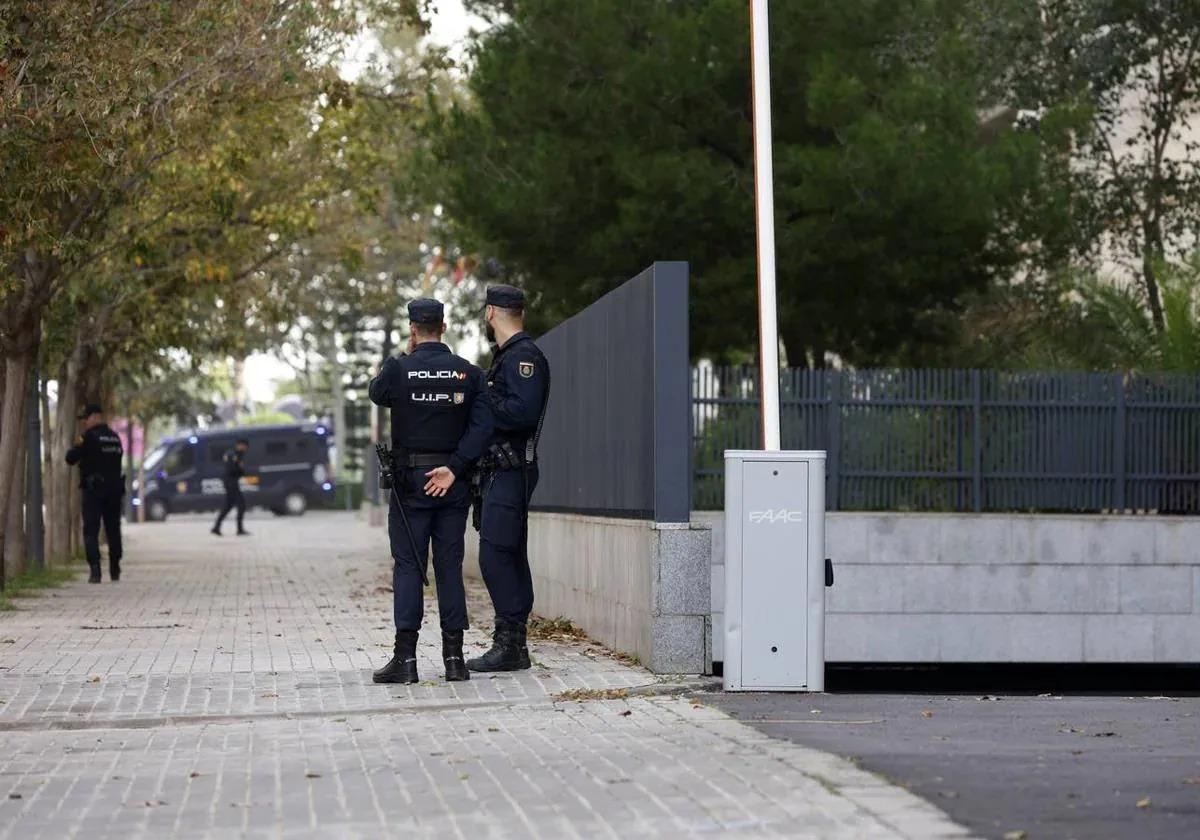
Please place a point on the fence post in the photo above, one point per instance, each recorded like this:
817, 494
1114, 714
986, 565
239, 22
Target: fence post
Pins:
977, 441
834, 453
1119, 444
672, 383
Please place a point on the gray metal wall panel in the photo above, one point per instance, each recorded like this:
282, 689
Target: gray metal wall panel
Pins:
606, 431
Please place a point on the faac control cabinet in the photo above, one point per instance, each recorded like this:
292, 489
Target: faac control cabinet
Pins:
775, 571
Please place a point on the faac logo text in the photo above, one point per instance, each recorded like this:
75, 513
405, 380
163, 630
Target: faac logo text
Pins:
780, 515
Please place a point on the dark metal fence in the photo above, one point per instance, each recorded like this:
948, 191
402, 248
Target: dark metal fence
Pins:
616, 435
967, 440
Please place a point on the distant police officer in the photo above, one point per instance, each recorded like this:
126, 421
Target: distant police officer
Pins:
234, 468
440, 427
98, 452
518, 389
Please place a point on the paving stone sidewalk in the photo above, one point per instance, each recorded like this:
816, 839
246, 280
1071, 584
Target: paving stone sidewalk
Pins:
223, 689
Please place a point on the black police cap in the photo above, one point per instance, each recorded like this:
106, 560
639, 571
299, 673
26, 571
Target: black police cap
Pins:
425, 311
89, 410
506, 297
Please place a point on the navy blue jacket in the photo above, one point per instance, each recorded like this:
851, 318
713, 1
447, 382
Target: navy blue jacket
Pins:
517, 382
437, 404
99, 458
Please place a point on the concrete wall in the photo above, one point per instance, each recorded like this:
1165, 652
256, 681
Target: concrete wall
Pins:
1003, 588
639, 587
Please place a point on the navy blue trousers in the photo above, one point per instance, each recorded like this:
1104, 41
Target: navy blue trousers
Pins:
503, 559
99, 509
442, 523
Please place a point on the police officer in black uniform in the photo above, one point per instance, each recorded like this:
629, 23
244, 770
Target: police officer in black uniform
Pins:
98, 452
235, 467
518, 389
440, 426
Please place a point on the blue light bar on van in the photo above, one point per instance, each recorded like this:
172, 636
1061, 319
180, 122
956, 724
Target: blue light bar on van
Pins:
326, 486
193, 439
321, 430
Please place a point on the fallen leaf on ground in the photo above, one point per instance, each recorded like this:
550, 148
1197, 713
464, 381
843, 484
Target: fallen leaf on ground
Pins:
1192, 780
626, 713
927, 713
1144, 802
1015, 835
93, 679
312, 775
581, 694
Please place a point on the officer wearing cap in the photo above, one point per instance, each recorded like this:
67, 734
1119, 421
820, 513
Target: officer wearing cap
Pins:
440, 426
518, 390
98, 453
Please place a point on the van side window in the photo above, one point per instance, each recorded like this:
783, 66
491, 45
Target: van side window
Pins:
180, 459
302, 445
276, 447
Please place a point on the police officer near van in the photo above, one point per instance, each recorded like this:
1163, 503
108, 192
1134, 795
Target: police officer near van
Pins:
518, 391
234, 464
441, 424
98, 453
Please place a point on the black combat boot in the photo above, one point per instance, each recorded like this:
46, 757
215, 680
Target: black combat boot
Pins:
452, 655
114, 570
523, 646
94, 577
508, 651
403, 667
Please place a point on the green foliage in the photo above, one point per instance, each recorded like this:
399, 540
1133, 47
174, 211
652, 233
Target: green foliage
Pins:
1082, 321
1126, 75
604, 135
27, 583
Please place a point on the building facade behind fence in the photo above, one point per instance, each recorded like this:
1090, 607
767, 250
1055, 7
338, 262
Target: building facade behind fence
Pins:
968, 440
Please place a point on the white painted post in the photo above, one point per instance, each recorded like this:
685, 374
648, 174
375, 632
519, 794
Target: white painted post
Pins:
764, 202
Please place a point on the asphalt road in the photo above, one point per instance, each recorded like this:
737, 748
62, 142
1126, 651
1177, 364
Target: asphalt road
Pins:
1050, 766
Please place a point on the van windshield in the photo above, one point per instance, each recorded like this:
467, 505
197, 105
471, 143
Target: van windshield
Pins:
154, 459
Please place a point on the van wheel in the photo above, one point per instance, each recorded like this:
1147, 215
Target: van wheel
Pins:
156, 510
295, 503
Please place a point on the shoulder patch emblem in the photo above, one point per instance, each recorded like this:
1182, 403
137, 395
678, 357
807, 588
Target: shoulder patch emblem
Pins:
459, 396
525, 369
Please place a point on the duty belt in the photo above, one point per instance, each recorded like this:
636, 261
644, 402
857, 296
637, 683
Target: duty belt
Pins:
422, 459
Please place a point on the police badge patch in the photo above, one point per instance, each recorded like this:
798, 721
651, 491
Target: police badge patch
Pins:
525, 369
459, 397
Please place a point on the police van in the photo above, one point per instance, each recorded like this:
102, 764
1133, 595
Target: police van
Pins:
287, 471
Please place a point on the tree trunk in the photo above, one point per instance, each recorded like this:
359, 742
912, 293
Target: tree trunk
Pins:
47, 462
3, 380
62, 477
14, 518
129, 511
12, 417
1152, 254
35, 530
75, 521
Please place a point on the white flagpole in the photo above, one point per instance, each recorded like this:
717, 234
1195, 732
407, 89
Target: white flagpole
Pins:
764, 205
